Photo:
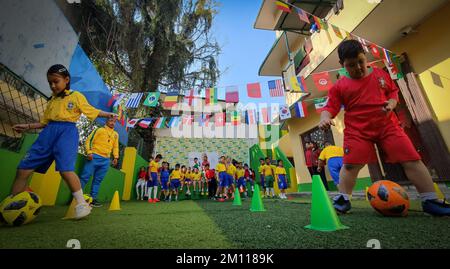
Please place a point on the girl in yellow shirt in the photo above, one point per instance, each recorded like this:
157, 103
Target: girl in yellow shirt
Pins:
58, 140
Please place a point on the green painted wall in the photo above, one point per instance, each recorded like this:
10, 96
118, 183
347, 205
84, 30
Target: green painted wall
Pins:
114, 180
361, 184
8, 163
255, 154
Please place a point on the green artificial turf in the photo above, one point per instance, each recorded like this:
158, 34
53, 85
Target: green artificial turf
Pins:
138, 225
210, 224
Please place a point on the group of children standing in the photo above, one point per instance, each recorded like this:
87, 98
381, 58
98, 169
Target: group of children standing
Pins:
218, 184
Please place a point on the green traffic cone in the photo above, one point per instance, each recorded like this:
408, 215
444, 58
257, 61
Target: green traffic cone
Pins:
237, 197
257, 204
323, 214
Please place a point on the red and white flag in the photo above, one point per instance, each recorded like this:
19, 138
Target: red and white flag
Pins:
219, 119
276, 88
131, 123
322, 81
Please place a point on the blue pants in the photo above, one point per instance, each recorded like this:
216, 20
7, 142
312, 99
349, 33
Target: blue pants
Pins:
334, 166
282, 182
98, 166
223, 179
57, 142
153, 180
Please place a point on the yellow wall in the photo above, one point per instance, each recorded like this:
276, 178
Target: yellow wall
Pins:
429, 50
298, 126
129, 160
46, 185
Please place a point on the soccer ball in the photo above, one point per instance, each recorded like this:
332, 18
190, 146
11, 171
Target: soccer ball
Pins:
20, 209
388, 198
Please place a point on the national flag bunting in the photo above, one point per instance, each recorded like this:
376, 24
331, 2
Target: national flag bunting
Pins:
337, 31
219, 119
204, 119
322, 81
235, 118
264, 115
190, 100
285, 112
250, 116
282, 6
171, 99
159, 123
152, 99
134, 100
375, 51
232, 94
301, 110
320, 104
302, 15
254, 90
276, 88
131, 123
174, 122
115, 99
187, 119
298, 84
145, 123
211, 96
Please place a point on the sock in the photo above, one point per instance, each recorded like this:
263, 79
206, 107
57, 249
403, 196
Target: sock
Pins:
273, 191
346, 196
428, 196
78, 195
155, 191
149, 192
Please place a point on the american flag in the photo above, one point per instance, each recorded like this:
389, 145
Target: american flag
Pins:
276, 88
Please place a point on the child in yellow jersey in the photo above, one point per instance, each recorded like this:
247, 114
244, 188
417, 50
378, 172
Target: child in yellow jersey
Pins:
261, 182
155, 179
59, 139
196, 176
174, 178
231, 172
183, 171
240, 175
269, 169
188, 180
280, 174
221, 172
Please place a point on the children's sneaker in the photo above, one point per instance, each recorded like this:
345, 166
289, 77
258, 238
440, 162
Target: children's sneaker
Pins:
341, 205
150, 200
82, 210
436, 207
201, 193
95, 203
156, 200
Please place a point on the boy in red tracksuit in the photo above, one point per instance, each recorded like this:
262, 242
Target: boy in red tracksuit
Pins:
369, 97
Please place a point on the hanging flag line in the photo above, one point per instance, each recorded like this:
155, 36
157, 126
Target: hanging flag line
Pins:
314, 16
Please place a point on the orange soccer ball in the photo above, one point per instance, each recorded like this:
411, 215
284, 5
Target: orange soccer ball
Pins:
388, 198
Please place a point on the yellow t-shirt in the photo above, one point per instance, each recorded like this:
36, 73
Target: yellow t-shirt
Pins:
102, 141
268, 170
280, 171
196, 176
69, 108
188, 175
240, 172
183, 175
176, 174
330, 152
220, 167
260, 169
154, 166
231, 170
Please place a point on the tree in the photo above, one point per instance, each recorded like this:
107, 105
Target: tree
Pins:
145, 45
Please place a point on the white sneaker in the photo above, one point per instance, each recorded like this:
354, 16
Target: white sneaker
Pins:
82, 210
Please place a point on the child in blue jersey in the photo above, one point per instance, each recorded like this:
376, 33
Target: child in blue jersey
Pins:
165, 180
59, 138
280, 175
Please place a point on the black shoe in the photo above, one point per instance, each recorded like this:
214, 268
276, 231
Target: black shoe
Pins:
341, 205
95, 203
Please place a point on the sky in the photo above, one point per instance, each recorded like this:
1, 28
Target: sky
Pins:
243, 48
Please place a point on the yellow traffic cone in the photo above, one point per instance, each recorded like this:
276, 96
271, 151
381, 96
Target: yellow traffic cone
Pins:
70, 214
115, 203
439, 193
